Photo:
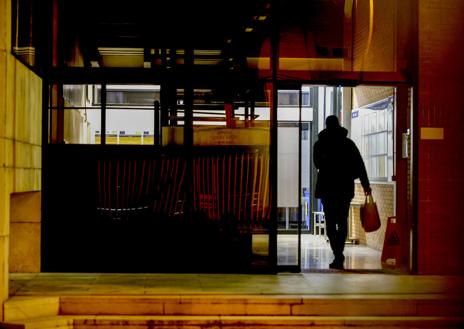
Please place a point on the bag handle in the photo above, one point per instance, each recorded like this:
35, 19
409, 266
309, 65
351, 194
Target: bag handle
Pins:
368, 199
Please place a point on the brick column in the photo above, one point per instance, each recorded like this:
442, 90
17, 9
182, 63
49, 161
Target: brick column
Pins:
441, 137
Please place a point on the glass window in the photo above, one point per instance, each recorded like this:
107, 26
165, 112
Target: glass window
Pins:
288, 98
375, 137
76, 113
130, 95
130, 118
390, 144
73, 116
382, 117
306, 98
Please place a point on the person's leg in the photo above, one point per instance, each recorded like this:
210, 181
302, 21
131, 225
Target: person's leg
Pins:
341, 217
330, 214
336, 221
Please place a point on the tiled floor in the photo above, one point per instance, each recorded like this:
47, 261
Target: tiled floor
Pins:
317, 255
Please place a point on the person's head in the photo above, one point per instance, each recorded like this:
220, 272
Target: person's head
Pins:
331, 122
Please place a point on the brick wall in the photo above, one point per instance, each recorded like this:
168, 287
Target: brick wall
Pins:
364, 95
440, 160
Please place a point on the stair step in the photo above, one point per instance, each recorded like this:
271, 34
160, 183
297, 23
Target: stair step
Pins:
242, 322
25, 307
50, 322
234, 311
270, 322
314, 305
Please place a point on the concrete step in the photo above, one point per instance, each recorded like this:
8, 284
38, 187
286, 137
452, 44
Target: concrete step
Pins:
236, 322
51, 322
234, 311
234, 305
268, 322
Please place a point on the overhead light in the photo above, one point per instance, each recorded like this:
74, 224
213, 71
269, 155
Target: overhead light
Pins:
206, 52
205, 61
229, 41
248, 29
116, 51
133, 87
121, 57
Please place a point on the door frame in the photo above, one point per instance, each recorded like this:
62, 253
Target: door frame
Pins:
404, 169
282, 85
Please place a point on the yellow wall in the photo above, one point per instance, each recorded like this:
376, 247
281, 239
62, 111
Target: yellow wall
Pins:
25, 228
20, 136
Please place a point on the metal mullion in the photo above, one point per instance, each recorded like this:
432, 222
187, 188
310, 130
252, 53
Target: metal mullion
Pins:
273, 136
103, 114
300, 98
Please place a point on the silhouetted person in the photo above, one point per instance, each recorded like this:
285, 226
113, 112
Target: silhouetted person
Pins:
339, 163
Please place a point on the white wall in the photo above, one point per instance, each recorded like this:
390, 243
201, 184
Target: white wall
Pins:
287, 166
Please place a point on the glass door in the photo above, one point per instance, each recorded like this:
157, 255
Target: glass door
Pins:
293, 182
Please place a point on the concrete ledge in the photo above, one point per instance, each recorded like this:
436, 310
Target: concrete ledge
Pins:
232, 322
266, 322
327, 305
23, 308
239, 322
55, 322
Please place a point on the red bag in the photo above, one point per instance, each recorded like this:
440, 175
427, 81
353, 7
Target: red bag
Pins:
370, 218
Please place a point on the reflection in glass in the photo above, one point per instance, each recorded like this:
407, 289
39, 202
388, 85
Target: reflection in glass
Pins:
74, 118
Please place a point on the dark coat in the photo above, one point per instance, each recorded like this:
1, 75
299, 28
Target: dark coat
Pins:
339, 163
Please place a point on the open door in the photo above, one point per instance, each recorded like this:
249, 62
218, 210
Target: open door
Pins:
381, 127
378, 119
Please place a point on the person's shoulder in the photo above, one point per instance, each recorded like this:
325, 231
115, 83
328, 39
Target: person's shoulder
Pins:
349, 140
350, 143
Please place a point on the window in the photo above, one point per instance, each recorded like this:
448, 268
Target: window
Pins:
73, 117
130, 116
375, 138
288, 98
76, 114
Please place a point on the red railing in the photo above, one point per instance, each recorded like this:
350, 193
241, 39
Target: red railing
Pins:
232, 185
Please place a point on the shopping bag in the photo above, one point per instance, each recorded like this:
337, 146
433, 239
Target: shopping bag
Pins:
370, 218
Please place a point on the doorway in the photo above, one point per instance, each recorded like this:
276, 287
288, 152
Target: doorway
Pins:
371, 115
